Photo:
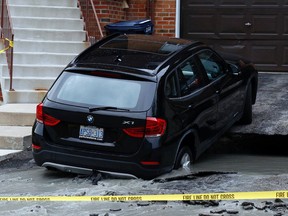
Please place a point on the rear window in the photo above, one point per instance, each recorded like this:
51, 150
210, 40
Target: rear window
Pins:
94, 91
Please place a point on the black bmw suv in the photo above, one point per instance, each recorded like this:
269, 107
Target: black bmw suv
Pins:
141, 105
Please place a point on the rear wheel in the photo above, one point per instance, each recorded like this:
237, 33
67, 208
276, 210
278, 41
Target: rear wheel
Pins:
184, 158
247, 111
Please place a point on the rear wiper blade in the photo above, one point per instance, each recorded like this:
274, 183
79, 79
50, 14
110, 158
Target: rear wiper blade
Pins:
92, 109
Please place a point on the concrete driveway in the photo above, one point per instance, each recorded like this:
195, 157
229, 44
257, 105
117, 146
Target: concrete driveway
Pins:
270, 113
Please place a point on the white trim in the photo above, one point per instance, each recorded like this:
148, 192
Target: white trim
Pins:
177, 19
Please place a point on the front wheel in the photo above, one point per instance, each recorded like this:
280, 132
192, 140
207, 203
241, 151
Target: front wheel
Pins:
184, 158
247, 111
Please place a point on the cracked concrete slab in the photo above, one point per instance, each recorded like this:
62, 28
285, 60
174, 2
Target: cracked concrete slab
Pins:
270, 113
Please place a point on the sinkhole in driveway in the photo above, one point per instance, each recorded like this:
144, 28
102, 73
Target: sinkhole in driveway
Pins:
251, 144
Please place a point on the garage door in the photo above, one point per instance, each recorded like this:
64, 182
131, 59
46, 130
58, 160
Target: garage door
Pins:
256, 29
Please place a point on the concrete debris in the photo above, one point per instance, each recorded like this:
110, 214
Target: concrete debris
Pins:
143, 204
231, 212
278, 206
205, 203
115, 209
191, 176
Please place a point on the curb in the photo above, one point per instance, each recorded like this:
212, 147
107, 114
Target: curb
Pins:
8, 154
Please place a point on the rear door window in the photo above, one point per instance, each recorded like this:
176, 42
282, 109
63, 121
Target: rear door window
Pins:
184, 80
189, 77
93, 91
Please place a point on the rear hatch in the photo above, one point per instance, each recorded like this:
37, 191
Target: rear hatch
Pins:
100, 112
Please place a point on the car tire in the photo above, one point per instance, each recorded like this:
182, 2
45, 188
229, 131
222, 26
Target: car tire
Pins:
247, 111
184, 156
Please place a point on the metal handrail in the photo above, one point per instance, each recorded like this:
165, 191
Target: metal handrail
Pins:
7, 35
88, 11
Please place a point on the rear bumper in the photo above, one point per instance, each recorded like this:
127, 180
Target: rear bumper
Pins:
81, 170
82, 160
85, 164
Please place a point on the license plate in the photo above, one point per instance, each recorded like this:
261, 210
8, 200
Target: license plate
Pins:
91, 132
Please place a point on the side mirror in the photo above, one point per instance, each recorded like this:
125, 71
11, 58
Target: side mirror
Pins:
235, 69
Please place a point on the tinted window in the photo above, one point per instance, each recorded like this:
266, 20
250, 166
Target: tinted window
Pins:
189, 77
212, 63
186, 78
87, 90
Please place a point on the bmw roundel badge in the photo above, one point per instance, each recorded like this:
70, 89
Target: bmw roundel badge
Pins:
90, 119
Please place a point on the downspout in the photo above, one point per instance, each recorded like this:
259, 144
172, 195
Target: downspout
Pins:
150, 10
177, 19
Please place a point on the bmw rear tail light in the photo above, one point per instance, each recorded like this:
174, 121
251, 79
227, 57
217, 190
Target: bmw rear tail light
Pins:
155, 127
45, 118
36, 147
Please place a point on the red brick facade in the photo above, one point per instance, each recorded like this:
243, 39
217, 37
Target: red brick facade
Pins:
164, 17
161, 12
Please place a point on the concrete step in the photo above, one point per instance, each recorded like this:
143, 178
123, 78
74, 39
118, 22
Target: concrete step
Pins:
16, 122
49, 46
24, 70
17, 114
42, 58
15, 138
61, 3
28, 83
23, 96
6, 154
47, 23
50, 35
34, 11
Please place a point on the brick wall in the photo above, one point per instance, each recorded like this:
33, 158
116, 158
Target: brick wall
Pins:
108, 11
137, 9
162, 13
164, 17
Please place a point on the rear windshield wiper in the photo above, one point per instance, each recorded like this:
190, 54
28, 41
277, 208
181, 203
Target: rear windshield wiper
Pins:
92, 109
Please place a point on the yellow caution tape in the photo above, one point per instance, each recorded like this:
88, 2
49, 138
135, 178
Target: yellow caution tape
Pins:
158, 197
10, 45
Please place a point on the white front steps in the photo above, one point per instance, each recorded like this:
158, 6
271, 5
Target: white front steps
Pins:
36, 11
48, 46
48, 23
16, 122
26, 83
48, 35
60, 3
15, 137
17, 114
22, 96
26, 70
6, 154
40, 58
